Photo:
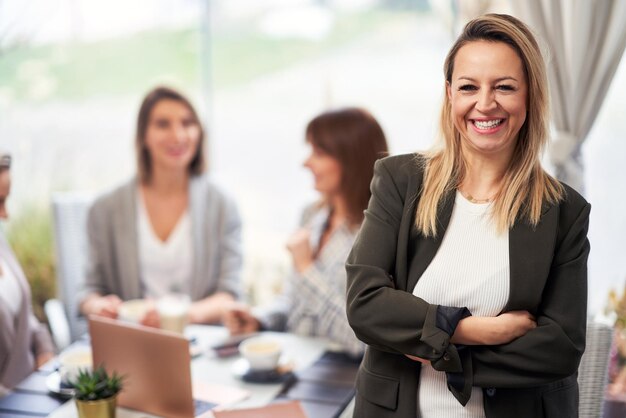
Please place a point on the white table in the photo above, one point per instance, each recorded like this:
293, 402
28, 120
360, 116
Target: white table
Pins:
207, 368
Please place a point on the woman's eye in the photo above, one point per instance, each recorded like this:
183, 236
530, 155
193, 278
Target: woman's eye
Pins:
505, 87
189, 123
468, 87
161, 123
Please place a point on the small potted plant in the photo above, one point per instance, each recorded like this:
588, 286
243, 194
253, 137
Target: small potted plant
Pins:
96, 392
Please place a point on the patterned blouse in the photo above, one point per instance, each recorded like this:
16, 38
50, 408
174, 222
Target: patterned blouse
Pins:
313, 302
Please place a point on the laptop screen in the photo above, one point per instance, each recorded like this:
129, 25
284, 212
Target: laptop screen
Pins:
156, 365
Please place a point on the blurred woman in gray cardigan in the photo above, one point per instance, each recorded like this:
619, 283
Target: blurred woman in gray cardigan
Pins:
24, 342
170, 229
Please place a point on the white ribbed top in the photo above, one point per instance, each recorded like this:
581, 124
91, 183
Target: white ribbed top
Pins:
471, 269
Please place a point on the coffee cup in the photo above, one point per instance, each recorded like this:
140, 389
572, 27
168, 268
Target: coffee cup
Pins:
133, 310
173, 310
262, 352
72, 362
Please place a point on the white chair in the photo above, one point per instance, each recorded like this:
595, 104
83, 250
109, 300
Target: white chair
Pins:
593, 369
57, 320
70, 231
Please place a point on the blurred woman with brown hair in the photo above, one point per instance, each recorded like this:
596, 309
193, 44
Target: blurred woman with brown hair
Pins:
170, 229
344, 146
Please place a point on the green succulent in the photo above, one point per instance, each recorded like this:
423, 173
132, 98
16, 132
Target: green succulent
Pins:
96, 384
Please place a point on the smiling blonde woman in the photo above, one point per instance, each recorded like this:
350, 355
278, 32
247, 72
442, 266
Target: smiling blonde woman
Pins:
468, 280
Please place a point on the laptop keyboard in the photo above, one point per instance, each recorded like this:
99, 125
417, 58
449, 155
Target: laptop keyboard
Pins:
202, 406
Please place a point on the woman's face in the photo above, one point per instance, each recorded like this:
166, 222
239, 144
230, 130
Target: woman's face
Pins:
5, 189
172, 135
326, 171
488, 94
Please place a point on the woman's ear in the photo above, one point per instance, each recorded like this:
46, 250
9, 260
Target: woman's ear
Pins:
449, 90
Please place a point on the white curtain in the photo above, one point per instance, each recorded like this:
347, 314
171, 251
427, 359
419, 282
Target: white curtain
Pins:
585, 41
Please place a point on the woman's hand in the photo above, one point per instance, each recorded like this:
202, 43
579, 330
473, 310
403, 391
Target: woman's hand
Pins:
151, 318
419, 359
512, 325
43, 358
210, 310
239, 320
300, 248
501, 329
106, 306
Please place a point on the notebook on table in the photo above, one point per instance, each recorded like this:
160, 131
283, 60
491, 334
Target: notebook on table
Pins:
290, 409
157, 366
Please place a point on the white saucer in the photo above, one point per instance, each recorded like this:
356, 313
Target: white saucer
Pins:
53, 383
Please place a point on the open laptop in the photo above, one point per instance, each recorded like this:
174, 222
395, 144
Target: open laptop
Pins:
156, 363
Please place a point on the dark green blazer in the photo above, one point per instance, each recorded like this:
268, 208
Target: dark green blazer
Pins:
532, 376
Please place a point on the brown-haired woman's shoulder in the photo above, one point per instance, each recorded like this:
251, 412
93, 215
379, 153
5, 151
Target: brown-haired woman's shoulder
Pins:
204, 188
108, 202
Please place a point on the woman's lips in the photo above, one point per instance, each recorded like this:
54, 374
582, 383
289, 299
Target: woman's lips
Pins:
176, 152
487, 126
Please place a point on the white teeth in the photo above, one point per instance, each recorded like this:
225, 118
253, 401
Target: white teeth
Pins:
480, 124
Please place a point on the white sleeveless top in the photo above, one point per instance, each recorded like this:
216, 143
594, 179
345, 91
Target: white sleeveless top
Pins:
165, 266
471, 269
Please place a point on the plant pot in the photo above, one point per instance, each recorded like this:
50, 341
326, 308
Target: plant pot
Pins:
102, 408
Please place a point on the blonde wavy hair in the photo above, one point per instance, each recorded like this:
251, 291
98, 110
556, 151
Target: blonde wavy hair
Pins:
525, 184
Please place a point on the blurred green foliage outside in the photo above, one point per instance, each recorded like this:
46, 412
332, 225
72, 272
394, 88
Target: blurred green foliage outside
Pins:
30, 237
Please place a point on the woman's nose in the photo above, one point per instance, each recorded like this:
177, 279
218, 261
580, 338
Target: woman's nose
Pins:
486, 101
180, 133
